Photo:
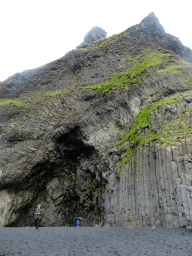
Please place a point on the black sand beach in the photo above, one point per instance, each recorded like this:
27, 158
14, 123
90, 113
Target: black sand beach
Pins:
101, 241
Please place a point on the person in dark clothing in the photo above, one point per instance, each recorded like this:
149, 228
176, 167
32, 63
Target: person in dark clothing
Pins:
38, 213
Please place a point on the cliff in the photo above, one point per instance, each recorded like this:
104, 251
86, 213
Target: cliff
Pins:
102, 133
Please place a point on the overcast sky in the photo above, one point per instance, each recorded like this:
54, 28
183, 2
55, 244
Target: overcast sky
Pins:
34, 33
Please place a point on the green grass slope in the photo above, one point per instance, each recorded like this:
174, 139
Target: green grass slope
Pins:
166, 134
141, 63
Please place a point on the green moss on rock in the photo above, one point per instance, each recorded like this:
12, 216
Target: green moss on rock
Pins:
48, 95
180, 68
15, 102
142, 121
95, 45
125, 81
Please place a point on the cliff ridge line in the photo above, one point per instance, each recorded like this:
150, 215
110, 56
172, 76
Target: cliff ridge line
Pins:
59, 122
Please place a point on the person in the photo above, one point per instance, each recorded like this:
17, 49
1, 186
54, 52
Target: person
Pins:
38, 213
78, 222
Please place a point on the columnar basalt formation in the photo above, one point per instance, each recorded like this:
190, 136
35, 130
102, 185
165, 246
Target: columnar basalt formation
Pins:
103, 133
155, 187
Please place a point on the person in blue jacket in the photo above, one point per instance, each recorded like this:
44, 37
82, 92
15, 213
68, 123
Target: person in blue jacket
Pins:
78, 222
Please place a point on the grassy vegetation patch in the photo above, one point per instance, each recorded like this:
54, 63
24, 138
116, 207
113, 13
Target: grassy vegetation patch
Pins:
168, 134
142, 121
75, 76
43, 96
180, 68
186, 109
31, 114
122, 81
37, 98
15, 102
108, 41
66, 178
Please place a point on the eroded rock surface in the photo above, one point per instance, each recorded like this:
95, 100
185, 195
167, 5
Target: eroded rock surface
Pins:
58, 136
155, 187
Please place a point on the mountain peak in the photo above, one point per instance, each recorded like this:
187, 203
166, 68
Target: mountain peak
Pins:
152, 20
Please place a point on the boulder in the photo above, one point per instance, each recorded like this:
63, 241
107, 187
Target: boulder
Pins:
94, 34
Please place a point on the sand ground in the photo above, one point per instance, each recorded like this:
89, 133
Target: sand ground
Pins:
101, 241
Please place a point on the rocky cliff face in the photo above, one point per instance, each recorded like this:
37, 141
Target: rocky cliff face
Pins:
155, 186
102, 133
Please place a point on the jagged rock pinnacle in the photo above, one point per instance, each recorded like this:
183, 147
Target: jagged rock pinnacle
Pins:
152, 20
94, 34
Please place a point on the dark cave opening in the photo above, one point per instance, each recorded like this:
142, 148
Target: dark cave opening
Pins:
72, 146
69, 150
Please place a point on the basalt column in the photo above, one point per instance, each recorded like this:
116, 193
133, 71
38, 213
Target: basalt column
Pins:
153, 189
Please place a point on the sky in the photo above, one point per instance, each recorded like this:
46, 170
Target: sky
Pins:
34, 33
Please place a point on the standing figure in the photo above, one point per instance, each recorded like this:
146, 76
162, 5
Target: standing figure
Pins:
38, 213
78, 222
